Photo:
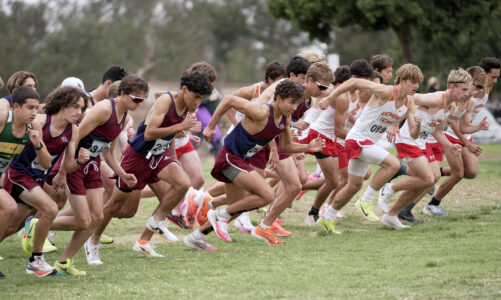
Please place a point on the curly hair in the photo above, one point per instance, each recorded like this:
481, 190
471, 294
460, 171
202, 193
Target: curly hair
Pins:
297, 65
274, 70
287, 88
20, 94
114, 73
64, 97
341, 74
133, 84
17, 79
196, 82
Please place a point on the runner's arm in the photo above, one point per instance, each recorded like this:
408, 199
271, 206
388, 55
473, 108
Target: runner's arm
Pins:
342, 104
413, 120
252, 110
289, 146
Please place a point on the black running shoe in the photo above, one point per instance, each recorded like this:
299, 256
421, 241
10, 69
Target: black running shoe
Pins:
406, 215
2, 276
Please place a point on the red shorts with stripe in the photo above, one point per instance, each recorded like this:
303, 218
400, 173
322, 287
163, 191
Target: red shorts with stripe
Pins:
342, 156
456, 141
145, 170
16, 182
330, 145
224, 160
354, 147
281, 154
184, 149
85, 177
435, 152
410, 150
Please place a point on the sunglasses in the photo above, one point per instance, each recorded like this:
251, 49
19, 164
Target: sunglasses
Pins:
321, 87
137, 99
479, 86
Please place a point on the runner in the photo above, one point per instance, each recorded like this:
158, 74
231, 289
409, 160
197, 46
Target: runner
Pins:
383, 65
20, 78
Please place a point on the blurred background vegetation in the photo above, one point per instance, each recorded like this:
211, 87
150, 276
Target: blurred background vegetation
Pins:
159, 39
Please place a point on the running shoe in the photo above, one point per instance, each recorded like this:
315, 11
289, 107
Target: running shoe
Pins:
366, 209
220, 225
384, 198
266, 235
162, 229
434, 210
104, 239
431, 191
47, 246
311, 220
243, 223
2, 276
178, 220
393, 221
68, 268
40, 267
278, 230
203, 210
191, 210
29, 232
406, 215
328, 225
92, 253
200, 244
147, 250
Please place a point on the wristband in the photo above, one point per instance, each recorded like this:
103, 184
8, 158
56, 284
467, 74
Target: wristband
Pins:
39, 148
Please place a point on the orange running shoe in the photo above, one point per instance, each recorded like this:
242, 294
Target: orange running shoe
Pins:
191, 210
203, 210
266, 236
277, 229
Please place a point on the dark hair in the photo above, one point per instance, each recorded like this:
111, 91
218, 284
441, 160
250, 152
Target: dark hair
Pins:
196, 82
287, 88
341, 74
297, 65
17, 79
22, 93
114, 73
206, 68
380, 62
377, 75
274, 70
133, 83
361, 68
64, 97
489, 63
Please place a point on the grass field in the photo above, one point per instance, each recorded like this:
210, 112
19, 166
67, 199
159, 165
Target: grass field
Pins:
453, 257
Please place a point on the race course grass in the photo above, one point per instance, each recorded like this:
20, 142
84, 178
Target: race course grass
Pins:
452, 257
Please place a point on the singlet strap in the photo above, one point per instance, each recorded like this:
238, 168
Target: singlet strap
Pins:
9, 117
406, 101
257, 90
443, 101
393, 94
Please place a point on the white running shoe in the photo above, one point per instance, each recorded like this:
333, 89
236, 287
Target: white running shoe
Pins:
220, 225
393, 221
40, 267
147, 250
92, 253
434, 210
384, 198
200, 244
162, 229
243, 223
310, 221
51, 236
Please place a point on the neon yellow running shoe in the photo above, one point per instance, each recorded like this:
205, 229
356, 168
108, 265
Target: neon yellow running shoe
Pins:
327, 225
29, 233
68, 268
104, 239
366, 209
47, 247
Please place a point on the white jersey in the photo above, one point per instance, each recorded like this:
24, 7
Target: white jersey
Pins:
374, 121
324, 124
428, 124
478, 105
455, 114
354, 106
238, 115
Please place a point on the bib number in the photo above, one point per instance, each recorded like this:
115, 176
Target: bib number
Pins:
160, 147
98, 147
378, 129
4, 163
253, 151
36, 165
423, 135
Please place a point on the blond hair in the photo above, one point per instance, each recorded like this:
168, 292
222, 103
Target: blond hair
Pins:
320, 71
113, 91
459, 76
477, 73
409, 72
313, 57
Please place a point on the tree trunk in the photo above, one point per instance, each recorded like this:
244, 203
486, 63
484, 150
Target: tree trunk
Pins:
403, 33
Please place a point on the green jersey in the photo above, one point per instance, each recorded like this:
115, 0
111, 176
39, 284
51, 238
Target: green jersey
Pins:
10, 146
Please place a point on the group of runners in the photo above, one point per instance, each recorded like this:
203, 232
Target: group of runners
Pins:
61, 172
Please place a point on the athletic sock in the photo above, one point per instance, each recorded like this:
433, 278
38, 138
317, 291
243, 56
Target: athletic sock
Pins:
409, 207
434, 201
175, 213
313, 212
223, 213
264, 227
142, 242
330, 213
210, 204
198, 235
33, 254
207, 231
441, 171
62, 262
368, 195
401, 171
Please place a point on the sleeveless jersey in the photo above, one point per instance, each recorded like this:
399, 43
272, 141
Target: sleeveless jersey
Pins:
10, 146
100, 139
374, 121
455, 114
27, 162
238, 115
428, 124
324, 124
301, 108
354, 106
478, 105
159, 146
9, 98
245, 145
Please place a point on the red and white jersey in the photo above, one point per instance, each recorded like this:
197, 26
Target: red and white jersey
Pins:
478, 105
428, 124
181, 142
456, 113
374, 121
354, 106
324, 124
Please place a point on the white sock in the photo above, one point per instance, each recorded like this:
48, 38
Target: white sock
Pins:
264, 227
175, 213
210, 204
223, 213
368, 195
330, 213
153, 222
198, 235
389, 189
191, 190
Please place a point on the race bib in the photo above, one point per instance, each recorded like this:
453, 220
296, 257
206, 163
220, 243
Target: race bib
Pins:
36, 165
160, 147
253, 151
98, 147
4, 163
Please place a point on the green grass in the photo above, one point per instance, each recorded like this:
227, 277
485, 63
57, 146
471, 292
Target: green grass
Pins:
452, 257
